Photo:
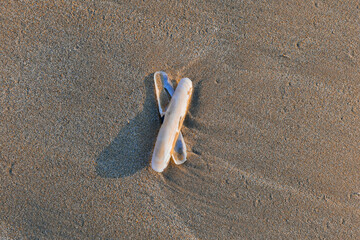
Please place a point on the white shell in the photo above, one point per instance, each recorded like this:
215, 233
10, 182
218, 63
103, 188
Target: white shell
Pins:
170, 129
163, 83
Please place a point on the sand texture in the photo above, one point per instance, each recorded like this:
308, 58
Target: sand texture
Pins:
273, 131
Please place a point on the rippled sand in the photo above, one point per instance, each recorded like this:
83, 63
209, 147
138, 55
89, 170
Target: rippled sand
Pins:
272, 132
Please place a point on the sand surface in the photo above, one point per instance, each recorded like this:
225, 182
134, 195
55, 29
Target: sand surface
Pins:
272, 133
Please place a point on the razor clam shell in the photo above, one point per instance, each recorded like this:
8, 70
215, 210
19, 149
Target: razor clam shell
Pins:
162, 83
170, 129
179, 154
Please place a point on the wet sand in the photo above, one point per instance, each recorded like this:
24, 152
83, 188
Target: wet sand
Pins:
272, 132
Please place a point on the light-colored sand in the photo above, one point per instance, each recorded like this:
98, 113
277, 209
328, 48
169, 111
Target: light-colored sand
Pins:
272, 133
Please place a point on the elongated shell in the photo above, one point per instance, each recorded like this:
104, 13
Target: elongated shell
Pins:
170, 129
164, 90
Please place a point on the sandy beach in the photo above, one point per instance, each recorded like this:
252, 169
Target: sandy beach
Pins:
272, 133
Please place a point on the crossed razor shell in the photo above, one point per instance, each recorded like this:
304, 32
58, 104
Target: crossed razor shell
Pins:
173, 106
